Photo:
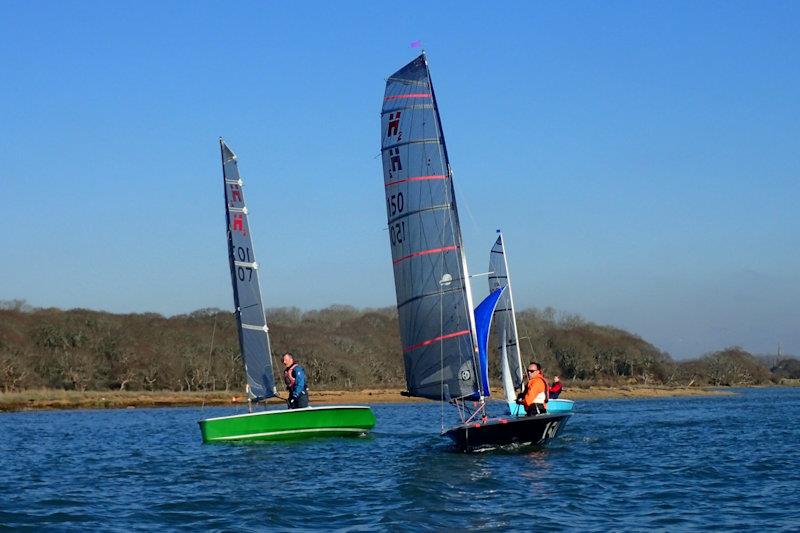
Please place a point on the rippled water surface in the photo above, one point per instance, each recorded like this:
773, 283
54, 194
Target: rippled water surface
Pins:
728, 462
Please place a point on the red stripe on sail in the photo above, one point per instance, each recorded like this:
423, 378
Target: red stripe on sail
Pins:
425, 252
412, 95
431, 341
417, 178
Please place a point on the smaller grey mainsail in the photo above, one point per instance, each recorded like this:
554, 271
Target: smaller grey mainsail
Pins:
504, 319
252, 325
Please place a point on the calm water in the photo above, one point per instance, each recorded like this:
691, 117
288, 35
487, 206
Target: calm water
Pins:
664, 464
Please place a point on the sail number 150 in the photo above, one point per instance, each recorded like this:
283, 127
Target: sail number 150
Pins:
397, 230
395, 204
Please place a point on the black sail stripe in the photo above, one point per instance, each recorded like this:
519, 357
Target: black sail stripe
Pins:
507, 344
428, 295
405, 82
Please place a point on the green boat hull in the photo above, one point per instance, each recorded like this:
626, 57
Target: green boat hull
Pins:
290, 424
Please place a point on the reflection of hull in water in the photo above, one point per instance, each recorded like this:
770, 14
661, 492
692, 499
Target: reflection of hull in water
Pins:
536, 430
325, 421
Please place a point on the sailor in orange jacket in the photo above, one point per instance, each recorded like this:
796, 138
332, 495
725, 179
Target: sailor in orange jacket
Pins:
534, 397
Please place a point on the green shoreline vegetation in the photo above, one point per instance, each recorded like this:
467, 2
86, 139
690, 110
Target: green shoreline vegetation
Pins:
53, 358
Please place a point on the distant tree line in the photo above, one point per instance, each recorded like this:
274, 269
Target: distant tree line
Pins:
341, 348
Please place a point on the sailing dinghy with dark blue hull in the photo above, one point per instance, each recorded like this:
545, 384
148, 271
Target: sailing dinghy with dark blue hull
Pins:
331, 420
444, 340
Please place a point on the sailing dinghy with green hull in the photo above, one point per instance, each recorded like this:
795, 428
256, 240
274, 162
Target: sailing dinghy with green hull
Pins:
332, 420
445, 342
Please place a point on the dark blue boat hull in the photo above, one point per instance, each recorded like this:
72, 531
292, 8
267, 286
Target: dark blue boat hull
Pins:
496, 432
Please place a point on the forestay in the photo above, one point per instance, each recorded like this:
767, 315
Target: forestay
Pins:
434, 302
253, 333
505, 319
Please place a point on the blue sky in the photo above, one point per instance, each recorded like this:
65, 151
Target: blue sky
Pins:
642, 158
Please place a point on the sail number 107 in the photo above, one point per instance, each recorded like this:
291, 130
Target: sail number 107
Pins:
244, 255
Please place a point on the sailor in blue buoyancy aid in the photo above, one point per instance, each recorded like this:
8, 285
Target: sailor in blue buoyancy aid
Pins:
295, 378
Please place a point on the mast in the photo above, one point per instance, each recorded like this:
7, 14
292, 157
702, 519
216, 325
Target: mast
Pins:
456, 225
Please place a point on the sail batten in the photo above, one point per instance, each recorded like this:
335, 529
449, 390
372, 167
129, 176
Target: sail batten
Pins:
409, 143
412, 106
416, 178
255, 327
437, 328
251, 323
428, 295
412, 95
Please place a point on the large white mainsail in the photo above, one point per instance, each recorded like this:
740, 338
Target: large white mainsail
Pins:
434, 301
505, 320
252, 325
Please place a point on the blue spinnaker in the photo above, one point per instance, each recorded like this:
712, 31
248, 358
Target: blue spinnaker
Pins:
483, 321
